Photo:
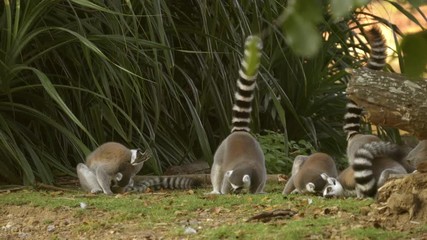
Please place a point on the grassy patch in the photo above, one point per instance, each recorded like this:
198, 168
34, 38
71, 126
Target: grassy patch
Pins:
375, 233
169, 214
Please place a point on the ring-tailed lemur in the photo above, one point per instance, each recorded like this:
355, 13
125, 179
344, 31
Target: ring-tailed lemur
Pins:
373, 163
371, 159
239, 160
307, 173
110, 162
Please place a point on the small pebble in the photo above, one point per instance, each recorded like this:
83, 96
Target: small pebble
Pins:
51, 228
83, 205
24, 235
190, 230
9, 225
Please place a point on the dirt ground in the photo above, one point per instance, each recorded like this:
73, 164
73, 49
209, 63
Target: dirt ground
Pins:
401, 206
402, 202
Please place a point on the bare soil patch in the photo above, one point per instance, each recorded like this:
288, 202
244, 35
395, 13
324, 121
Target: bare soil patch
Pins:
401, 206
402, 203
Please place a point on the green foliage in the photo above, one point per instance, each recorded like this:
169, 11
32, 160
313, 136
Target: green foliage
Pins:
161, 75
299, 23
417, 3
301, 19
414, 47
273, 145
412, 62
341, 8
375, 233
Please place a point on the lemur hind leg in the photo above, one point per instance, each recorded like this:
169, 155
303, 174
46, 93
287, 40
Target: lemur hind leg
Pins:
104, 180
389, 173
225, 188
289, 187
216, 179
88, 179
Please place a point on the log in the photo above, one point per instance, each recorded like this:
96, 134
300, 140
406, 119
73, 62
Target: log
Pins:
391, 100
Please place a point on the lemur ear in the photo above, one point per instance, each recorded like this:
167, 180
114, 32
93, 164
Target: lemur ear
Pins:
246, 179
324, 176
119, 176
310, 187
138, 156
329, 180
144, 156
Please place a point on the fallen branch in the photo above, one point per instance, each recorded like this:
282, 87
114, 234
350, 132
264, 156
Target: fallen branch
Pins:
391, 100
275, 214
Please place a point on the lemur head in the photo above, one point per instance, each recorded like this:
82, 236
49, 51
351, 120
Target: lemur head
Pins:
239, 180
127, 170
333, 187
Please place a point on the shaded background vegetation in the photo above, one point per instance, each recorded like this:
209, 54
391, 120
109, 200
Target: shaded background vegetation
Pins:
160, 75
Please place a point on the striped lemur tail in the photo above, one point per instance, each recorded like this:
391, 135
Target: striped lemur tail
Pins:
163, 182
366, 184
246, 84
376, 61
352, 120
369, 147
378, 46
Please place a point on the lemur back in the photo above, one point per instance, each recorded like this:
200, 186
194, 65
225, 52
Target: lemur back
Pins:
239, 161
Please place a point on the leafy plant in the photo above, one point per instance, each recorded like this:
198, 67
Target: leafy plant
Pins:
273, 145
158, 75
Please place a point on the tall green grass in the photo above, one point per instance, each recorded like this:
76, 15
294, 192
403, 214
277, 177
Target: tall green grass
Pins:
158, 75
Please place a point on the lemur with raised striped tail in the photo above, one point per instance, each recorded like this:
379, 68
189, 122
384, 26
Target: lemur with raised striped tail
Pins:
239, 160
371, 160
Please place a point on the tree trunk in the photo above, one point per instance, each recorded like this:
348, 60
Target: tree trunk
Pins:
391, 100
